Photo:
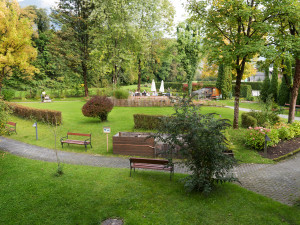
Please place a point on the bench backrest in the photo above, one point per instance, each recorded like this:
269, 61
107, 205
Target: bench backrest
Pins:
149, 161
11, 123
79, 134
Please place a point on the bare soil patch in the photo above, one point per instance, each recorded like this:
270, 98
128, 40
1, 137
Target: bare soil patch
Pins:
283, 148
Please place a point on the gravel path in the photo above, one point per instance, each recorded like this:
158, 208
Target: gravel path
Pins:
280, 181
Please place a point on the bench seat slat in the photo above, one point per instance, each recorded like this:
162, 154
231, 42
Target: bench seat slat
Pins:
76, 142
151, 166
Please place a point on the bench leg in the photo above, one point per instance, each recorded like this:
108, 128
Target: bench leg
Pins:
130, 171
62, 145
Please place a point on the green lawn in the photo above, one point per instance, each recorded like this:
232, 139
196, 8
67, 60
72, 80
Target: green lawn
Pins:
31, 194
120, 119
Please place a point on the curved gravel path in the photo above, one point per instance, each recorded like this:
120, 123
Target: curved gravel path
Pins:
280, 181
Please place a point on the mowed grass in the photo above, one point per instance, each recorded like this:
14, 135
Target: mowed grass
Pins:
120, 119
31, 194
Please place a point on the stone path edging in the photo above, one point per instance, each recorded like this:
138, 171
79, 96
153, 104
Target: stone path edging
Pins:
280, 181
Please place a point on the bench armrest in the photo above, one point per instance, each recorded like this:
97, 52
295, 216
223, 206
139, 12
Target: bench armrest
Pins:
66, 137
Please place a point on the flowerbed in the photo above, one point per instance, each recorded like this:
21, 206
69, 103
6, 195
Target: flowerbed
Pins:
255, 137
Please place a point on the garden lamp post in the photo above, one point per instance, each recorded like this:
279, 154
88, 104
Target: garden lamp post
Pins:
266, 140
36, 130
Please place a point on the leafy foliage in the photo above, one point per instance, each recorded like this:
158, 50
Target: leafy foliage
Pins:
266, 86
4, 113
255, 137
248, 121
274, 82
98, 106
188, 39
16, 50
202, 143
121, 94
148, 122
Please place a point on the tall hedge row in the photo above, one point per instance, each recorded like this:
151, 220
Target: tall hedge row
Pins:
44, 115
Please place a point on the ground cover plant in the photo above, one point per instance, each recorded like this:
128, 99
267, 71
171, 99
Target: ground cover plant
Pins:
120, 119
31, 194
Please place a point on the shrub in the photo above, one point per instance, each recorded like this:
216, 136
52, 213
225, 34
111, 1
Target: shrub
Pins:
120, 94
246, 91
43, 115
8, 94
148, 122
255, 137
98, 107
172, 85
4, 113
296, 128
248, 121
201, 141
264, 117
285, 131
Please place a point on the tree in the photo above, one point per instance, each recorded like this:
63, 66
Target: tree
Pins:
16, 50
188, 39
234, 31
72, 16
227, 85
285, 87
287, 39
220, 79
264, 93
274, 82
201, 140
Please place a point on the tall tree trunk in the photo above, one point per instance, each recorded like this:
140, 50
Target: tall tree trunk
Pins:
85, 75
139, 77
296, 85
239, 71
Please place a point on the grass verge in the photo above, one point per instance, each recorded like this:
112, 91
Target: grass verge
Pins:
31, 194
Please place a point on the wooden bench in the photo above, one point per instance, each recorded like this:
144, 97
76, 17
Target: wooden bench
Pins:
152, 164
77, 142
297, 107
11, 127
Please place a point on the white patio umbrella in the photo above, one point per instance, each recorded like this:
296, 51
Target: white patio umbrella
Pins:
162, 88
153, 87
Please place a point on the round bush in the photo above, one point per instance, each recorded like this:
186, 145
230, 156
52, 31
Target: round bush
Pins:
98, 106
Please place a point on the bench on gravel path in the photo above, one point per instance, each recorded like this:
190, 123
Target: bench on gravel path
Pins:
152, 164
77, 142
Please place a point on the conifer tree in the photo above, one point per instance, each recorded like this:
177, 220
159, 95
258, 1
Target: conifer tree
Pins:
220, 78
227, 84
274, 83
266, 86
286, 82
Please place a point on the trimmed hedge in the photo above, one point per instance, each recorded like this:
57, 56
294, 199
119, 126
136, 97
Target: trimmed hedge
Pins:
148, 122
44, 115
172, 85
248, 121
254, 85
246, 91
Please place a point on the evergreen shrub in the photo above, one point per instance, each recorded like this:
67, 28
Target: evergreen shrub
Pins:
98, 107
121, 94
246, 91
248, 121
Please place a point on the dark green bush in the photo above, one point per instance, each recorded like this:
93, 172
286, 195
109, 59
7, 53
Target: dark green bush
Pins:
246, 91
121, 94
147, 122
248, 121
254, 85
201, 140
8, 94
43, 115
98, 107
177, 86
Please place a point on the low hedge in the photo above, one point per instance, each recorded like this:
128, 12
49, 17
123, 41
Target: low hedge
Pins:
254, 85
44, 115
148, 122
172, 85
